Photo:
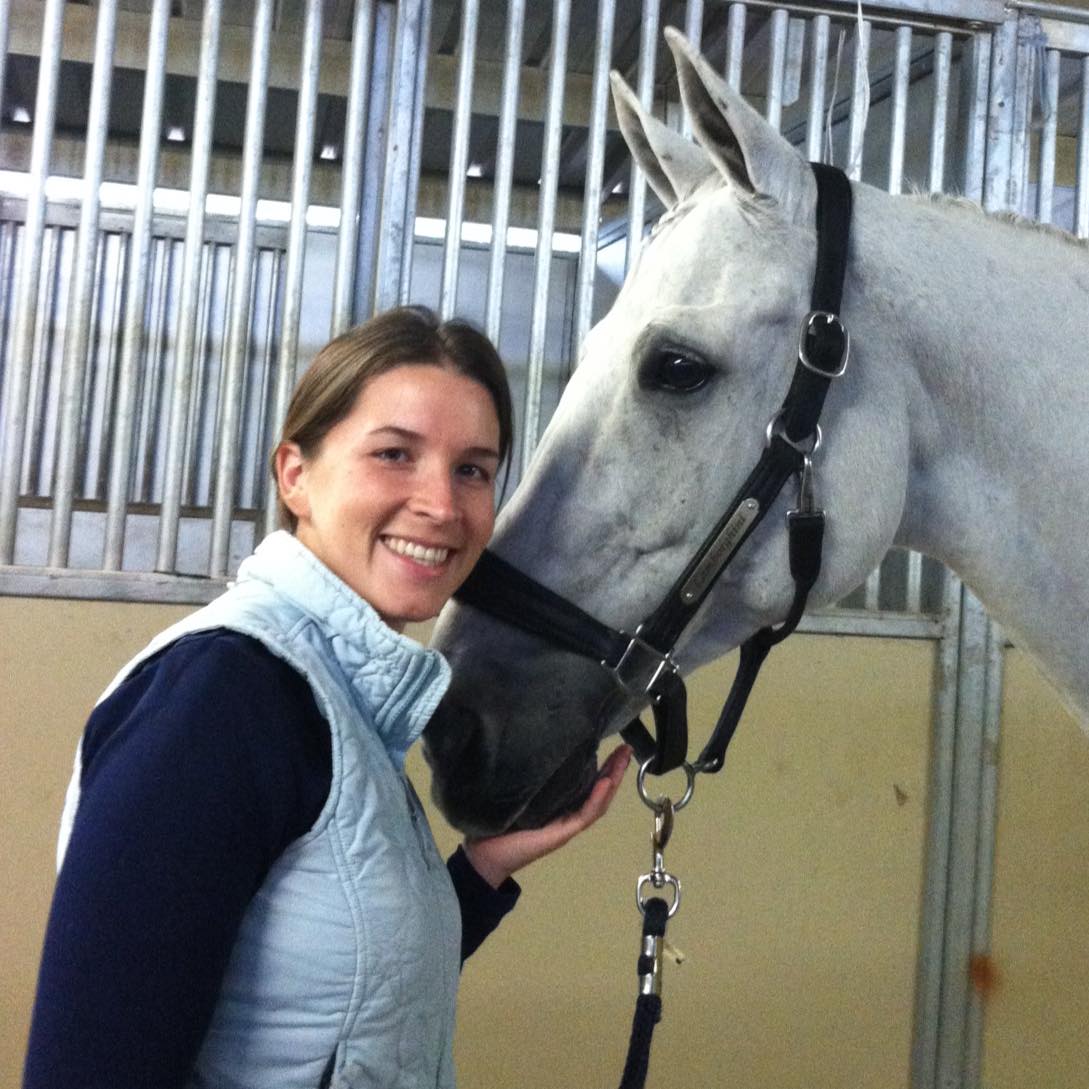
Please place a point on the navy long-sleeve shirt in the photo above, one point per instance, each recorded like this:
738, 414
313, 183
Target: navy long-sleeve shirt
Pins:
197, 773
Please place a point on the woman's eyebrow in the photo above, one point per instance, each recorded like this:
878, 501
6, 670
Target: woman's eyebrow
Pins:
406, 434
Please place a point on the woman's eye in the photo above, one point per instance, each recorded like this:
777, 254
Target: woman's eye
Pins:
672, 370
475, 472
392, 453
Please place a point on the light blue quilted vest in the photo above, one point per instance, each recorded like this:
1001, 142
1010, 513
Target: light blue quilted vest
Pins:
346, 966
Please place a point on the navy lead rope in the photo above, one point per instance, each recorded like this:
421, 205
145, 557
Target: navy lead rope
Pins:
648, 1006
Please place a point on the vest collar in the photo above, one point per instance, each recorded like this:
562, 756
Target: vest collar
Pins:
396, 682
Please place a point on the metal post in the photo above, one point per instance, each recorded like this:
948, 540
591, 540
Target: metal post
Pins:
186, 331
5, 26
415, 158
546, 219
773, 104
504, 167
860, 100
595, 163
818, 79
459, 159
1028, 34
1045, 186
943, 55
975, 69
900, 73
1000, 119
133, 339
735, 44
693, 31
637, 187
1081, 195
305, 126
230, 396
351, 173
79, 317
26, 293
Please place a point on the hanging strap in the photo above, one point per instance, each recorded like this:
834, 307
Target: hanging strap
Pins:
648, 1006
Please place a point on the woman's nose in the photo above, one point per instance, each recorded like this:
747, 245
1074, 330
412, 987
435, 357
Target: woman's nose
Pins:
434, 494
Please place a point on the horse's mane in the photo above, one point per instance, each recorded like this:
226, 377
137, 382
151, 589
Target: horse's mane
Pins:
1012, 219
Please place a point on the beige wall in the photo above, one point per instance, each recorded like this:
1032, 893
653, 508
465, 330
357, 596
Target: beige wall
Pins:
801, 866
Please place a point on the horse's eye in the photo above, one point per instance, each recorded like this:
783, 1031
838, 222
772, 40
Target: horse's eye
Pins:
672, 370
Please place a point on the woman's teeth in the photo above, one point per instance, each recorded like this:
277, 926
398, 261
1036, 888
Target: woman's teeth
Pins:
431, 557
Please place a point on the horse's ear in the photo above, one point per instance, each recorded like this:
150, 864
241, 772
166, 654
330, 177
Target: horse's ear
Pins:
673, 164
746, 150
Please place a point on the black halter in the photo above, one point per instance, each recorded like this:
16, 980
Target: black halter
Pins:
641, 664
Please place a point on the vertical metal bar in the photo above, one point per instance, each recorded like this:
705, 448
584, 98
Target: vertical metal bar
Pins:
351, 174
900, 73
408, 53
459, 159
53, 252
241, 289
939, 118
928, 982
1027, 29
595, 163
985, 843
977, 73
305, 126
415, 159
504, 165
5, 28
1045, 184
913, 596
132, 343
735, 44
1000, 118
150, 412
546, 218
693, 31
189, 303
79, 312
25, 311
1081, 197
860, 100
960, 906
773, 105
873, 590
637, 187
818, 79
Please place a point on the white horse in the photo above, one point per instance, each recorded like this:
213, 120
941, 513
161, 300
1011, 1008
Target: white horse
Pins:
959, 430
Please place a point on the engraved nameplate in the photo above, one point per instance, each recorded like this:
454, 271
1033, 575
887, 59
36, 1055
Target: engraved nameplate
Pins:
720, 551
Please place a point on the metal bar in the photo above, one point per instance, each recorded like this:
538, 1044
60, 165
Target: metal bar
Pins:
818, 80
637, 187
595, 164
1022, 112
351, 183
693, 31
1045, 184
152, 395
22, 341
928, 981
305, 127
900, 73
407, 55
415, 158
997, 170
931, 15
860, 100
735, 44
546, 219
1051, 11
504, 167
79, 313
913, 595
459, 159
974, 129
873, 590
985, 844
5, 26
132, 341
189, 303
1081, 193
53, 247
939, 118
773, 104
230, 395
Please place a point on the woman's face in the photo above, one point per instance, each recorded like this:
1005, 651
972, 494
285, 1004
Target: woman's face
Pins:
398, 501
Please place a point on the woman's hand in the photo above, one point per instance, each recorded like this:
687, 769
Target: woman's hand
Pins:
495, 858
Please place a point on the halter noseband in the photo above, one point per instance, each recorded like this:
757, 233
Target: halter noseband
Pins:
641, 664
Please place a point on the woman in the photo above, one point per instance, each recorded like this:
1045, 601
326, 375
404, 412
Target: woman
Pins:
249, 893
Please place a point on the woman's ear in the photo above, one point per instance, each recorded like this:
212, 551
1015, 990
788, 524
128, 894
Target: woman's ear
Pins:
291, 478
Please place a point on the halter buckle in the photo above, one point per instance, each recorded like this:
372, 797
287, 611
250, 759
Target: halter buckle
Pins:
640, 668
809, 328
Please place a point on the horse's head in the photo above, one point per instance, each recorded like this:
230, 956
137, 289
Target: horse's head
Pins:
663, 419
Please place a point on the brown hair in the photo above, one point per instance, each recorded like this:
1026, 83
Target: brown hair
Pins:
331, 385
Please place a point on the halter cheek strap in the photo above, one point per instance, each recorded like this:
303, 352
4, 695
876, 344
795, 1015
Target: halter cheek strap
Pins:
641, 664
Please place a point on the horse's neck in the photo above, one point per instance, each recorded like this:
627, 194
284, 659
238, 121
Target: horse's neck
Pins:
995, 322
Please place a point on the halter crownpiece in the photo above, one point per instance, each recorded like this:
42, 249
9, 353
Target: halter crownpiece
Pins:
641, 664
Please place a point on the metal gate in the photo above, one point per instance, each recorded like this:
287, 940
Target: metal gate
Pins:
189, 207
